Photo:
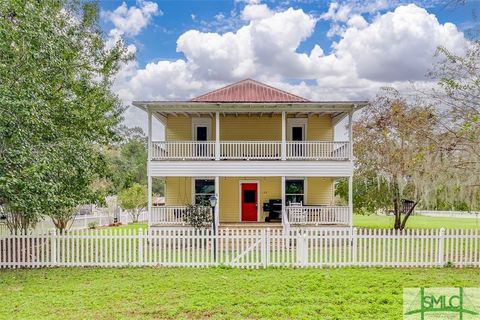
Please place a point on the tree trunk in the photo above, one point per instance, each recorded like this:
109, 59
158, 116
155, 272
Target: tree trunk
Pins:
135, 215
396, 205
404, 222
60, 224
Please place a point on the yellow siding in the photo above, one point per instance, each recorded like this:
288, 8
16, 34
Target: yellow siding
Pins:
179, 129
320, 128
269, 188
178, 191
320, 191
253, 128
249, 128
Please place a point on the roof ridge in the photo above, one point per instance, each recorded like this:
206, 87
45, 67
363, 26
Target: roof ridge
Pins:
255, 83
277, 89
222, 88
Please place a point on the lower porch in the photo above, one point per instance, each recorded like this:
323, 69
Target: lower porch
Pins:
253, 201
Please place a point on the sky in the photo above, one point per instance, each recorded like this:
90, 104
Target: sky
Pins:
320, 50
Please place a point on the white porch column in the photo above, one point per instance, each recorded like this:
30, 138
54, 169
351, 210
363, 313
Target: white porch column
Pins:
217, 207
149, 179
350, 178
217, 136
350, 135
284, 204
284, 136
350, 199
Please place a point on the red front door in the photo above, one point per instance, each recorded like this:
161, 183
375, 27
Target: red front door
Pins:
249, 201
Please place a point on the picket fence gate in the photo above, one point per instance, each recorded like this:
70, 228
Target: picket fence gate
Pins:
246, 248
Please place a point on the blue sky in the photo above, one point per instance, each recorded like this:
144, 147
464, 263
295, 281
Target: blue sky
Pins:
321, 50
158, 40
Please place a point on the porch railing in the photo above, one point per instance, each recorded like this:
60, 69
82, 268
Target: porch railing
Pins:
318, 150
316, 215
183, 150
169, 215
250, 150
255, 150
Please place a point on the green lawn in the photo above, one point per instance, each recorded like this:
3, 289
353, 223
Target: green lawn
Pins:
374, 221
414, 222
216, 293
131, 226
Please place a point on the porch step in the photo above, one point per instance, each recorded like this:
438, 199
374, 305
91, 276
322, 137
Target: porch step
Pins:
251, 225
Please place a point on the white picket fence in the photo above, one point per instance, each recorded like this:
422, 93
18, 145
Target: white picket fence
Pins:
246, 248
80, 222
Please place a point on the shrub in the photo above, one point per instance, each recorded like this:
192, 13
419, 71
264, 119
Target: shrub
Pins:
197, 216
92, 225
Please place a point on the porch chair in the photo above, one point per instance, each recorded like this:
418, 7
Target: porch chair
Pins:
296, 213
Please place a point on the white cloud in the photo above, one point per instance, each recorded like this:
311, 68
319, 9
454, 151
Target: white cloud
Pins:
255, 12
130, 21
398, 45
393, 48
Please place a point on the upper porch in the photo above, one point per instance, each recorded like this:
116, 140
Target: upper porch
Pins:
249, 121
253, 136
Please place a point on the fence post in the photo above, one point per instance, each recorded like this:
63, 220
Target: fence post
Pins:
441, 248
353, 232
54, 247
140, 246
301, 248
263, 237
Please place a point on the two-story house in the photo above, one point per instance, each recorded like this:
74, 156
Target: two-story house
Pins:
267, 155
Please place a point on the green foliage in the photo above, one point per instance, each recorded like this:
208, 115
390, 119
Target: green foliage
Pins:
92, 225
134, 199
56, 107
197, 216
370, 193
128, 162
127, 165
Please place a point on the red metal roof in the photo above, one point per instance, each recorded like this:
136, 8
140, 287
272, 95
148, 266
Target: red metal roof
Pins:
248, 91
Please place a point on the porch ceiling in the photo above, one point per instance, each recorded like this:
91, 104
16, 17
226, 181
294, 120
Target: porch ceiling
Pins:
188, 107
161, 110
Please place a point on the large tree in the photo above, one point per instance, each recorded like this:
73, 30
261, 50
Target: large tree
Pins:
457, 97
392, 140
56, 107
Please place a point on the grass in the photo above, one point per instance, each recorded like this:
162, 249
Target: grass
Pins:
374, 221
216, 293
416, 222
131, 226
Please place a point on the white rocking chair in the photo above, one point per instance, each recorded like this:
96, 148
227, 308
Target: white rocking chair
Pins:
296, 213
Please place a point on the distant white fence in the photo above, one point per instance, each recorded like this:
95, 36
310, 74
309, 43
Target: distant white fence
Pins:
246, 248
456, 214
80, 222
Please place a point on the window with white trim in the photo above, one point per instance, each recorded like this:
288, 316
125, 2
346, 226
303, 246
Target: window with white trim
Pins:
295, 191
204, 189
